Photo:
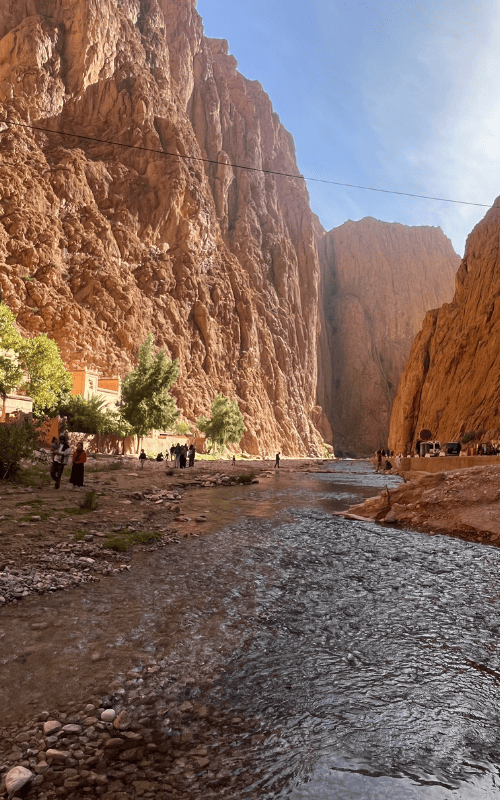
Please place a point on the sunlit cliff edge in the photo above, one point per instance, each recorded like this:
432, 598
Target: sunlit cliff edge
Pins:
451, 382
100, 244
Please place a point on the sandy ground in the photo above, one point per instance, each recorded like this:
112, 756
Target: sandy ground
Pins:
463, 503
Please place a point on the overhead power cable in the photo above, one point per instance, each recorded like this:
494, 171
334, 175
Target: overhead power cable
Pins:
240, 166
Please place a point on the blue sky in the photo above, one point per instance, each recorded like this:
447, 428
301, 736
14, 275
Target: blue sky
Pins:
394, 95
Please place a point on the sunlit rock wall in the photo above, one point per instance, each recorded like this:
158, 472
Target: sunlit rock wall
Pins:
379, 279
100, 244
451, 383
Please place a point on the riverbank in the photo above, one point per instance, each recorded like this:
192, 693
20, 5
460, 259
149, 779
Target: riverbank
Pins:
147, 732
462, 502
49, 543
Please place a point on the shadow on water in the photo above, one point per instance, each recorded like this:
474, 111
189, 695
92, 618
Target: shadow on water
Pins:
366, 656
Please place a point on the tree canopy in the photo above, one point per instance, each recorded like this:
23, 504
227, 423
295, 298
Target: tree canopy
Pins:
146, 402
226, 424
90, 416
33, 365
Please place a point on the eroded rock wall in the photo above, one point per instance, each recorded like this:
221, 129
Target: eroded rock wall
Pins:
100, 244
379, 279
451, 383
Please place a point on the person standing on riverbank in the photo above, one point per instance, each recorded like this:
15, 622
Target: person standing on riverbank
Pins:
277, 461
61, 458
78, 469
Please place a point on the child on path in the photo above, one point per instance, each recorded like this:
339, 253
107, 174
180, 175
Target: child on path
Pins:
142, 458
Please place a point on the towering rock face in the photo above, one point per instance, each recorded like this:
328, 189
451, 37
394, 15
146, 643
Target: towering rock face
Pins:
451, 384
101, 243
379, 279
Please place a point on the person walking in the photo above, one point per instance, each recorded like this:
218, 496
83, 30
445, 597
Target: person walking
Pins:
191, 455
142, 458
78, 469
61, 458
277, 461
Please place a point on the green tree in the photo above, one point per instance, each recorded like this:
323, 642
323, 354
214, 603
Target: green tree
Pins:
47, 377
226, 424
183, 428
34, 365
90, 416
147, 403
11, 373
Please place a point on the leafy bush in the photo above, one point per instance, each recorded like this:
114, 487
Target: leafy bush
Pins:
17, 441
122, 540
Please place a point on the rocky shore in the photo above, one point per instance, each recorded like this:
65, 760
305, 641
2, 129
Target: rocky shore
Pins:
150, 737
49, 543
153, 734
461, 503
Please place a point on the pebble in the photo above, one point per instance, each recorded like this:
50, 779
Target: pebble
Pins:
108, 715
16, 778
122, 721
51, 726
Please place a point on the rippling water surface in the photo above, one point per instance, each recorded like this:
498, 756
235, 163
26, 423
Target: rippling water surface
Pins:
369, 654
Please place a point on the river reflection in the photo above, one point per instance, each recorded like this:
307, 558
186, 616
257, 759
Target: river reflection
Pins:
366, 655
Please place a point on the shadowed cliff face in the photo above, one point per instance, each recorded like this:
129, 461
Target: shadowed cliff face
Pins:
451, 381
379, 279
101, 244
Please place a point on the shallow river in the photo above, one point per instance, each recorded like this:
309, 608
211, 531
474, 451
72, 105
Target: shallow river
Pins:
370, 653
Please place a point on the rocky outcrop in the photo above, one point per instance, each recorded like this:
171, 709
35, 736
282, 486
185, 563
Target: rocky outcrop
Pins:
379, 279
101, 243
450, 384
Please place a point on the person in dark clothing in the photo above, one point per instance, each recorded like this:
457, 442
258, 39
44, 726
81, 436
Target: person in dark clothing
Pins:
78, 469
159, 457
183, 456
277, 461
191, 454
61, 458
177, 452
142, 458
172, 452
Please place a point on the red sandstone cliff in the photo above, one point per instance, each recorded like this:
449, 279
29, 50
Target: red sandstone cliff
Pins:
101, 244
451, 384
379, 279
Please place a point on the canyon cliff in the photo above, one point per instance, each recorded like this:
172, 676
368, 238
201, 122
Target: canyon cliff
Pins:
451, 384
101, 243
379, 279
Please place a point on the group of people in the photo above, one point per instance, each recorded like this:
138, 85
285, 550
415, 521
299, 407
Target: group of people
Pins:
181, 454
383, 463
61, 453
